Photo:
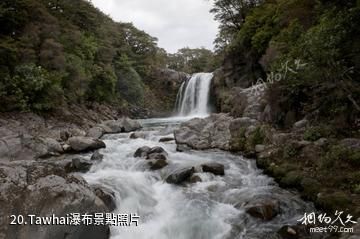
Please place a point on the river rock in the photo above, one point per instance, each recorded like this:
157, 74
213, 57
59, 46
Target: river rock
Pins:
195, 179
166, 139
158, 150
142, 152
211, 132
296, 232
43, 189
157, 164
137, 135
265, 210
180, 175
96, 132
214, 168
81, 144
156, 156
106, 195
122, 125
97, 156
78, 165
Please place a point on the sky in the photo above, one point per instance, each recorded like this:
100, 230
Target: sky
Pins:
176, 23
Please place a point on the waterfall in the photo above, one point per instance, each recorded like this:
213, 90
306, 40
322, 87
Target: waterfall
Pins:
193, 96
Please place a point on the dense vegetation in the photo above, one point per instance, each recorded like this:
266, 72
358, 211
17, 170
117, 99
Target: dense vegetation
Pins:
193, 60
55, 52
314, 45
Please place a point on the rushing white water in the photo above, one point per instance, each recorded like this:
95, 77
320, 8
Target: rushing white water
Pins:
193, 96
211, 209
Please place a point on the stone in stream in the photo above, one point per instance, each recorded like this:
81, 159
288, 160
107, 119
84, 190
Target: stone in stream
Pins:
78, 165
180, 175
97, 156
142, 152
166, 139
122, 125
137, 135
195, 179
158, 150
157, 164
214, 168
156, 156
80, 144
294, 232
265, 210
106, 195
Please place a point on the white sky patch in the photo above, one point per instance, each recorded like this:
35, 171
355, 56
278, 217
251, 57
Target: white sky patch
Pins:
176, 23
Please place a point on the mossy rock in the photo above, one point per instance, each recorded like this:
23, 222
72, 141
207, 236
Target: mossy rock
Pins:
333, 201
291, 179
310, 188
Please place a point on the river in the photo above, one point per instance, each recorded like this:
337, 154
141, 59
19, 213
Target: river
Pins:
213, 208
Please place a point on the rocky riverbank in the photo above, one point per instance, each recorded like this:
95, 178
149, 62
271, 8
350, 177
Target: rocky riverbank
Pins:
37, 162
293, 158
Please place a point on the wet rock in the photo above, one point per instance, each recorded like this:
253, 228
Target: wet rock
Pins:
43, 189
142, 152
265, 210
122, 125
78, 165
97, 156
195, 179
180, 175
106, 195
156, 156
293, 232
157, 164
182, 148
137, 135
96, 132
81, 144
166, 139
214, 168
158, 150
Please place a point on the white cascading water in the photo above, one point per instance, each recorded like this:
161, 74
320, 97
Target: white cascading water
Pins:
193, 96
214, 208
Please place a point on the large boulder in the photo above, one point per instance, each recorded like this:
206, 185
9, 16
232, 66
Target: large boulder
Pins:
214, 168
211, 132
14, 146
44, 189
96, 132
80, 144
181, 175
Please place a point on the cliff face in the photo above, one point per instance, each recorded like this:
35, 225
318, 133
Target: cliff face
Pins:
163, 86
